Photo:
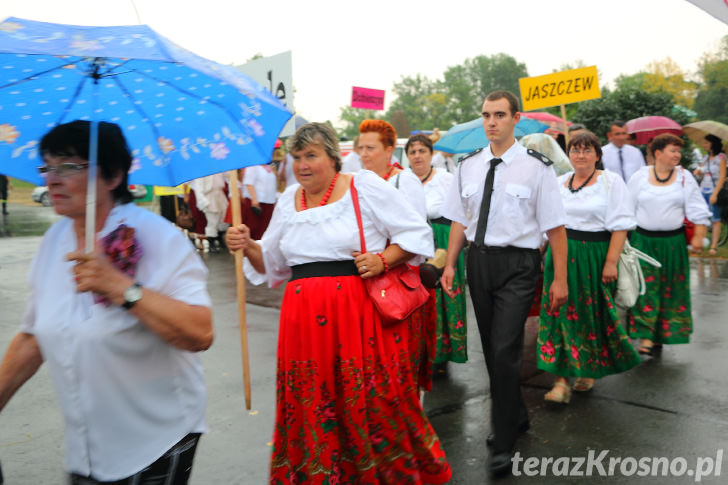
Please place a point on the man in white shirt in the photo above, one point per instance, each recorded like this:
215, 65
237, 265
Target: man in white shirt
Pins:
351, 163
504, 262
619, 156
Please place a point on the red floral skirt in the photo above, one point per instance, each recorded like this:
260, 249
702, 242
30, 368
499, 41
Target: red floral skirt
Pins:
347, 406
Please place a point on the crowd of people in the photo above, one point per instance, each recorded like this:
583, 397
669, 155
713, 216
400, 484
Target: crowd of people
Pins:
121, 326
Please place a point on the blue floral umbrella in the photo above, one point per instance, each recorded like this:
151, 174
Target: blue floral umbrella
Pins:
184, 116
466, 137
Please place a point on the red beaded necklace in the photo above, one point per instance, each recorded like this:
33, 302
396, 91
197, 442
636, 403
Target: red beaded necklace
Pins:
389, 173
326, 197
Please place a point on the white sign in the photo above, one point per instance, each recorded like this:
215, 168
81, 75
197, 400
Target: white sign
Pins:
275, 73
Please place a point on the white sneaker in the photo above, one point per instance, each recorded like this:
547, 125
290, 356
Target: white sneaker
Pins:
205, 246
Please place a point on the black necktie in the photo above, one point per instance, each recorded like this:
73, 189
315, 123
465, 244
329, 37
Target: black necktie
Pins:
621, 164
485, 203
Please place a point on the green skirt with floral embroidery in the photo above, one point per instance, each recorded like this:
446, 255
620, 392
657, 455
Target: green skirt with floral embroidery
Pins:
452, 329
663, 313
583, 338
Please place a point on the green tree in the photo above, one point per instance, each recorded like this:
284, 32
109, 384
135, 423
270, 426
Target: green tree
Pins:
711, 102
352, 117
467, 84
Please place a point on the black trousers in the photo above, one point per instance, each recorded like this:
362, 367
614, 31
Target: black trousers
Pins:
502, 284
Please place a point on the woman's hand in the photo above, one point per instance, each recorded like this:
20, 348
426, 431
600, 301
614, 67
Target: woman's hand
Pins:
448, 276
713, 197
237, 237
94, 272
609, 272
368, 264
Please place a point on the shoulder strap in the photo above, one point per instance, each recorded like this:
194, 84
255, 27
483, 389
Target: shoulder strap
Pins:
540, 157
357, 211
396, 182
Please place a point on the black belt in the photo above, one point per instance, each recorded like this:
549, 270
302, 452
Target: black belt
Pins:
591, 236
674, 232
324, 268
499, 249
441, 220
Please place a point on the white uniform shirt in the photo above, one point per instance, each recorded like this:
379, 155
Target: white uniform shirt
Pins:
604, 206
264, 181
632, 160
126, 395
526, 201
330, 233
665, 207
435, 192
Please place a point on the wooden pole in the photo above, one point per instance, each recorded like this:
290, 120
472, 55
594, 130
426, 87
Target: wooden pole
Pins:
566, 127
240, 281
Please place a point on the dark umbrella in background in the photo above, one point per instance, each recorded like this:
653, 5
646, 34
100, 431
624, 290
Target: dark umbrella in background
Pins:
184, 116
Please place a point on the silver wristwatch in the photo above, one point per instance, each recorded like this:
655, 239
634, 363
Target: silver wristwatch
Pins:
132, 295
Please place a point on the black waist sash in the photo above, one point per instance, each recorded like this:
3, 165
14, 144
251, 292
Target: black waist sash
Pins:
591, 236
324, 268
441, 220
674, 232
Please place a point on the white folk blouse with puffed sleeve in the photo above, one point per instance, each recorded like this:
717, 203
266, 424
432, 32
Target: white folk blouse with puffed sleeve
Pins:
126, 395
604, 206
410, 186
436, 191
665, 207
329, 232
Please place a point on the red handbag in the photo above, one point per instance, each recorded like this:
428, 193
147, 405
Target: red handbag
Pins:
396, 293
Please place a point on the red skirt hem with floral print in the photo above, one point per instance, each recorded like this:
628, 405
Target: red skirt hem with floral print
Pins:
347, 406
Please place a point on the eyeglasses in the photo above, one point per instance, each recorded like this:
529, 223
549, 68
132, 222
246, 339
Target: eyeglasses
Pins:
65, 169
586, 151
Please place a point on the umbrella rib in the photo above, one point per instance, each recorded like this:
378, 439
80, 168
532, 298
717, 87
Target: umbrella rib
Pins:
72, 101
197, 96
35, 75
144, 115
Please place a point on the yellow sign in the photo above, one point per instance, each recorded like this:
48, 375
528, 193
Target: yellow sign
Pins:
558, 88
158, 190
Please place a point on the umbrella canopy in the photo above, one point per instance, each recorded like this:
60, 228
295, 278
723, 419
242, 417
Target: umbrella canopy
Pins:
466, 137
545, 144
555, 123
697, 131
184, 116
648, 127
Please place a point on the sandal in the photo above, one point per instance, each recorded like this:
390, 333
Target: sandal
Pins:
583, 384
560, 393
646, 347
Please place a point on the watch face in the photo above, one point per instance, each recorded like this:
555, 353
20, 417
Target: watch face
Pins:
133, 293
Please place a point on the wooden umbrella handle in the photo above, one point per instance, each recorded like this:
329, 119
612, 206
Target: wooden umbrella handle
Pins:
240, 282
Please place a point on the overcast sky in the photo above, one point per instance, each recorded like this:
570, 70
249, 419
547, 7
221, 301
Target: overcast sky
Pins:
373, 43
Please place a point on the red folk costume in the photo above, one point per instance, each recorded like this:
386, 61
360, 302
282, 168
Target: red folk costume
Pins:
347, 407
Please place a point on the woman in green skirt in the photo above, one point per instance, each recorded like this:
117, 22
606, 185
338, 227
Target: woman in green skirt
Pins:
665, 195
452, 330
583, 338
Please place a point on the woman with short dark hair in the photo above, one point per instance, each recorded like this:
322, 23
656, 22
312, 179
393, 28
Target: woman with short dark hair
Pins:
665, 195
119, 327
584, 338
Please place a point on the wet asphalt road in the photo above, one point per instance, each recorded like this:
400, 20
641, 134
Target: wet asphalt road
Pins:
674, 406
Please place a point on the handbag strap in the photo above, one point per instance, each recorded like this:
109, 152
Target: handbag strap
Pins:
357, 211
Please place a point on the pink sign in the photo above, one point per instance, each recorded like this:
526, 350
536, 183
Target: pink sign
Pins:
365, 98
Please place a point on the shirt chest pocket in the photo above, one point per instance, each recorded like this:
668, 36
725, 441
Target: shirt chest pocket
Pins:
516, 199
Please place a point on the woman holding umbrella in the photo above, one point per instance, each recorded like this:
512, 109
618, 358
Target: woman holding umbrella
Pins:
584, 339
348, 410
664, 196
713, 172
120, 328
452, 329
